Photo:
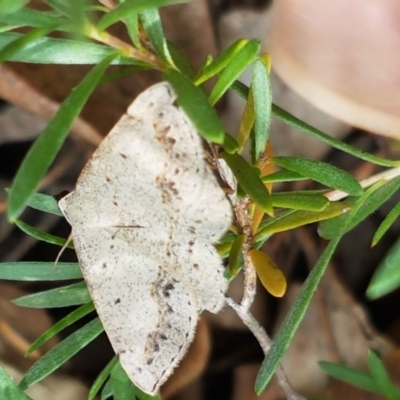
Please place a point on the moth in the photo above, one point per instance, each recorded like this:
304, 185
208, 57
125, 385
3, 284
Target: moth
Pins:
145, 214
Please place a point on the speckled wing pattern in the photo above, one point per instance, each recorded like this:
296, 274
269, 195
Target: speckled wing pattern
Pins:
145, 214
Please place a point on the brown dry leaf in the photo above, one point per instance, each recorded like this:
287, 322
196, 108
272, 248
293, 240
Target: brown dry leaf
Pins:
243, 385
336, 329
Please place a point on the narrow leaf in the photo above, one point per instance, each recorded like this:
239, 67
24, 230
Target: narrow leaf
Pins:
243, 59
26, 41
321, 172
386, 278
71, 318
181, 60
8, 389
61, 353
106, 393
299, 201
372, 199
129, 7
291, 120
39, 271
293, 319
62, 51
195, 104
262, 96
44, 150
121, 385
386, 224
44, 202
294, 219
349, 375
40, 235
235, 255
221, 61
152, 25
30, 17
101, 378
283, 176
8, 7
71, 295
381, 377
297, 311
249, 181
242, 90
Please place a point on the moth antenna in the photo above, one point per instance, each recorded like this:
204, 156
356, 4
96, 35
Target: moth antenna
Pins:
69, 239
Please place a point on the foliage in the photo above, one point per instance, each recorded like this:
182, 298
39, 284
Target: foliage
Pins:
87, 41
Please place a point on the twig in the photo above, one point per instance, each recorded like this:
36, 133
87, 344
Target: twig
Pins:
265, 342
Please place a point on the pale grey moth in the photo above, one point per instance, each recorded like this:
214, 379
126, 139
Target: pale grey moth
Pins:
145, 213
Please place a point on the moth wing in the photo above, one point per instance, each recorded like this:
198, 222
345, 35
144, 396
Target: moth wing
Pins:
150, 171
202, 271
149, 316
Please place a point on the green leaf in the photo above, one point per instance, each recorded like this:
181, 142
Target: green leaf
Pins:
107, 391
30, 17
386, 224
321, 172
262, 96
40, 235
61, 353
44, 202
144, 396
283, 176
294, 219
39, 271
350, 375
121, 385
132, 25
7, 7
101, 378
26, 42
297, 310
386, 278
71, 295
71, 318
195, 104
381, 377
245, 56
180, 60
221, 61
293, 318
73, 9
289, 119
235, 261
44, 150
152, 25
62, 51
249, 181
129, 7
365, 205
299, 201
8, 389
